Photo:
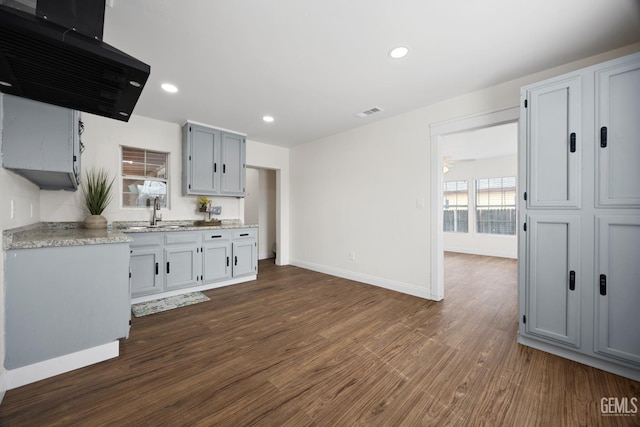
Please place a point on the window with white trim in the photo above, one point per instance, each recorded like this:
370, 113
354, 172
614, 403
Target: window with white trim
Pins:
456, 207
496, 205
144, 177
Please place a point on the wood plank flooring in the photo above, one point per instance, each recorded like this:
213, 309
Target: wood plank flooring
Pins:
300, 348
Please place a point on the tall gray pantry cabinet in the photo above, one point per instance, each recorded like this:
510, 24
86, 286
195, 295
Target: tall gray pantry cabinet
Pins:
579, 247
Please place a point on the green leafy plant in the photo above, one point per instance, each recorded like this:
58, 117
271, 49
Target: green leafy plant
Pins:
202, 200
96, 190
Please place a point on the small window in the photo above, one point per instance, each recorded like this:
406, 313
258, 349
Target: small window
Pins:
496, 205
144, 177
456, 207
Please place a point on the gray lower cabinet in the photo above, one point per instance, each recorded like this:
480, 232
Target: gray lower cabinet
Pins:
163, 261
147, 264
245, 252
216, 255
61, 300
183, 260
617, 313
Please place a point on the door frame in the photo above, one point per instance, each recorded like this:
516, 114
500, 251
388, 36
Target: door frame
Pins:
437, 132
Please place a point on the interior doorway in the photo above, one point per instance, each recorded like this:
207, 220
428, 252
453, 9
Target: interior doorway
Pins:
440, 133
260, 208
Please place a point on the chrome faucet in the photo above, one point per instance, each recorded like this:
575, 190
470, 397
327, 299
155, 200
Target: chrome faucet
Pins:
155, 217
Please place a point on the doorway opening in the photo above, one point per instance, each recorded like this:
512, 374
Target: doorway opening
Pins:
476, 222
260, 209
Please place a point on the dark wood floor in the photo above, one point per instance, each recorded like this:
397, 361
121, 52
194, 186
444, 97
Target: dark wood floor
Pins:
301, 348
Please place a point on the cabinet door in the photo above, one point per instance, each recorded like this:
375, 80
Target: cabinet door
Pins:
618, 287
216, 261
146, 271
618, 130
553, 277
182, 266
233, 164
554, 144
244, 257
204, 153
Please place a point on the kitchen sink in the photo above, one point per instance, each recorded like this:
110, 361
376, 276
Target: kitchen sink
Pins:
146, 227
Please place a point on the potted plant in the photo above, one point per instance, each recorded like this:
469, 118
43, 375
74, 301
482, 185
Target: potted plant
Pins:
203, 203
96, 193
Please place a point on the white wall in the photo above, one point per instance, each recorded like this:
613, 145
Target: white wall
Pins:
358, 191
480, 243
103, 139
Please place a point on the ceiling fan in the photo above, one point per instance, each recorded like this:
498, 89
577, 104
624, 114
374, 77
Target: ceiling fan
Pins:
448, 162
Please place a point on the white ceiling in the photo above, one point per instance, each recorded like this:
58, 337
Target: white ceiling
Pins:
312, 64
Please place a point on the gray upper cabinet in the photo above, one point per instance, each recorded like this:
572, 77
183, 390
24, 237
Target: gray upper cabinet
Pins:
41, 142
618, 135
213, 161
233, 151
554, 144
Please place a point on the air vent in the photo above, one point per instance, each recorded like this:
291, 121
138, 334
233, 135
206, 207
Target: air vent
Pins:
369, 112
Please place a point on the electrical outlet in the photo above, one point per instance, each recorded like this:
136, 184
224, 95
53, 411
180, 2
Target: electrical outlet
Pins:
352, 256
420, 202
13, 212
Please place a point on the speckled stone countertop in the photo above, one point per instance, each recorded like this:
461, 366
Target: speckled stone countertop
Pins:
144, 227
55, 234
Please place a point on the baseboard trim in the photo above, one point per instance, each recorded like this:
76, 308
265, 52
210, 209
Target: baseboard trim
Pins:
204, 287
59, 365
594, 362
392, 285
3, 383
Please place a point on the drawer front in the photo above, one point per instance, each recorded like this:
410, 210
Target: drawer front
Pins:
245, 233
146, 239
215, 235
178, 238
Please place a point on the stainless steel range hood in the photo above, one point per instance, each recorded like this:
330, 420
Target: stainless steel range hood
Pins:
47, 62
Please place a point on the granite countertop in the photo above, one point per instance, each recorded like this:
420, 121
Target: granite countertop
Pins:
144, 227
56, 234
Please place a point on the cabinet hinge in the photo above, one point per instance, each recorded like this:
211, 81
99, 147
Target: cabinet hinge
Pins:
524, 318
525, 226
525, 195
525, 103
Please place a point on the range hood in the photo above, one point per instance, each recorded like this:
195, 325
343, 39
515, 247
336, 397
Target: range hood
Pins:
51, 63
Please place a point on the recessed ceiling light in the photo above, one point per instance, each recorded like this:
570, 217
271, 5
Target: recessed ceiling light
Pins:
399, 52
268, 119
169, 87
